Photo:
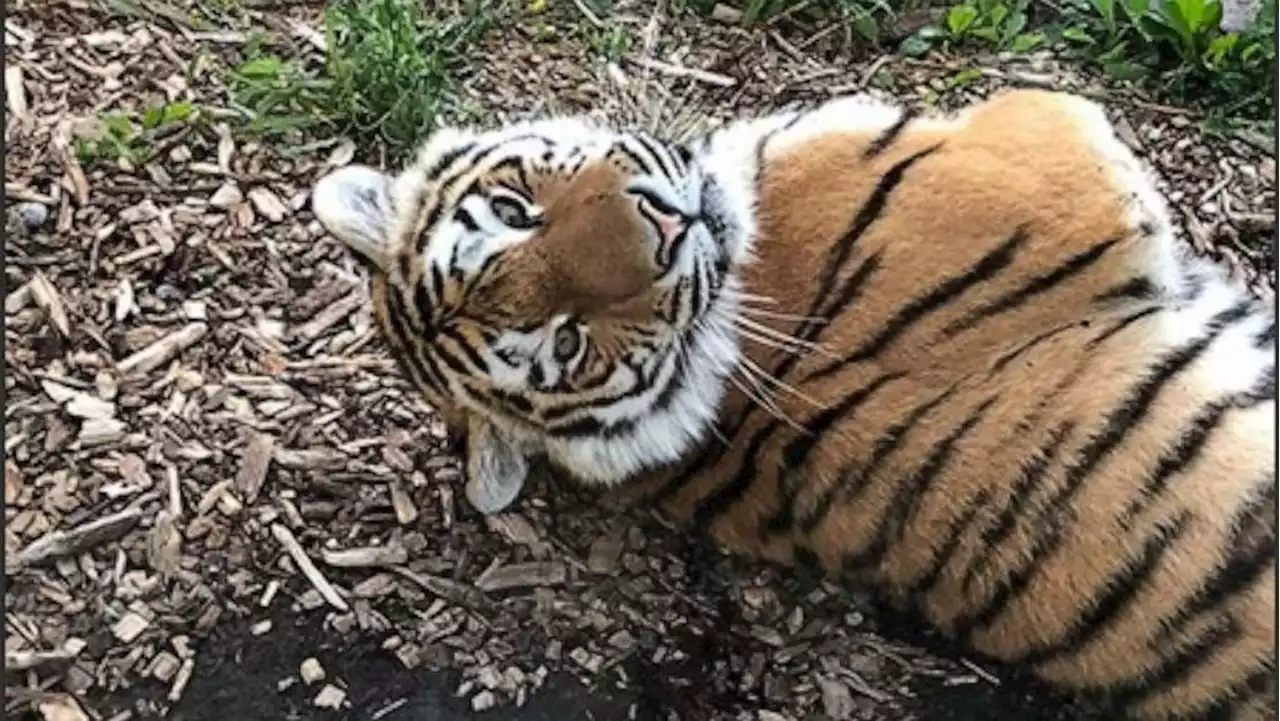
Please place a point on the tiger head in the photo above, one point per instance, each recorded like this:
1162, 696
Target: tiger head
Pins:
556, 287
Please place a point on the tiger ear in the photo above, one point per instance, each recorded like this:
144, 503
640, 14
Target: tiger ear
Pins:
354, 204
496, 467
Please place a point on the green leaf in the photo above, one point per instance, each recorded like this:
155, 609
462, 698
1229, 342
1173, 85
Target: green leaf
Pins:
964, 77
1026, 42
265, 67
118, 125
177, 112
960, 18
1123, 70
866, 26
1077, 35
152, 117
915, 46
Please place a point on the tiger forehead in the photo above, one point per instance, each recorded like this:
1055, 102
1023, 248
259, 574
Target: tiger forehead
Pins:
542, 174
588, 254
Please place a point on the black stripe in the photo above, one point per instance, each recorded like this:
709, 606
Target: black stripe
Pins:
421, 369
1139, 288
812, 326
659, 155
987, 267
893, 523
881, 142
923, 586
723, 498
447, 158
1030, 477
870, 211
1177, 664
851, 481
426, 312
763, 144
1010, 356
1265, 337
1232, 699
1033, 287
1122, 419
1120, 325
1117, 596
1252, 552
796, 453
1194, 438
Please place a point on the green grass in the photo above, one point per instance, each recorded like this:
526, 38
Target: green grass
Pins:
130, 136
390, 68
1173, 47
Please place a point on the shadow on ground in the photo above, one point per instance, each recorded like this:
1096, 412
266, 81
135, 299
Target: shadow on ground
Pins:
242, 677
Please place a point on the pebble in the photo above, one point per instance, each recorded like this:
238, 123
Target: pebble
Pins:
311, 671
330, 697
30, 214
483, 701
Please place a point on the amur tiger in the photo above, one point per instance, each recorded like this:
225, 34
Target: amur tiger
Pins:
960, 360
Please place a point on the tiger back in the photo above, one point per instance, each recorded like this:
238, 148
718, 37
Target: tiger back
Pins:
969, 368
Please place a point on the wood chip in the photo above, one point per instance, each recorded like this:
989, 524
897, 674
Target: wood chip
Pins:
390, 555
254, 464
129, 627
47, 298
330, 316
523, 575
266, 203
164, 350
180, 681
58, 544
308, 569
15, 92
402, 504
61, 707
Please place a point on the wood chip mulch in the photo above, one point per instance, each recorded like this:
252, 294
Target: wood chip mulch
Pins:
221, 500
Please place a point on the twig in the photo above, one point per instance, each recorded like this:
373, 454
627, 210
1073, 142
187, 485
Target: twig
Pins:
57, 544
679, 71
158, 353
299, 556
981, 672
586, 12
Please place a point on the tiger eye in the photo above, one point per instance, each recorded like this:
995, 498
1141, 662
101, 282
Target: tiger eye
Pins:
566, 343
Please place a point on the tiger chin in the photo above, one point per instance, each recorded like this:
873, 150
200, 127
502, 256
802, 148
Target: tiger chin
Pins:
958, 359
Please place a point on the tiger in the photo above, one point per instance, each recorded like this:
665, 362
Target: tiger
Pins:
960, 359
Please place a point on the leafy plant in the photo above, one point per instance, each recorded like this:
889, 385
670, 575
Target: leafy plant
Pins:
389, 70
994, 21
128, 136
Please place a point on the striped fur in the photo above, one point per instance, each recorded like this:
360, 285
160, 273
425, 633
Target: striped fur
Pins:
959, 360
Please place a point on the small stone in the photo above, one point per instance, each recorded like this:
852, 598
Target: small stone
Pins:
483, 701
30, 215
165, 666
330, 697
622, 640
260, 628
311, 671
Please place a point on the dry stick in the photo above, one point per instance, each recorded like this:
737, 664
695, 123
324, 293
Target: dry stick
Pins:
318, 581
679, 71
57, 544
163, 350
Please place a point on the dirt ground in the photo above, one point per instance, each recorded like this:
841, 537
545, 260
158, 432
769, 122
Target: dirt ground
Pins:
221, 501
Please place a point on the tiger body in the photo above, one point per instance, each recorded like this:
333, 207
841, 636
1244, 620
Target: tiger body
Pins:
958, 360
